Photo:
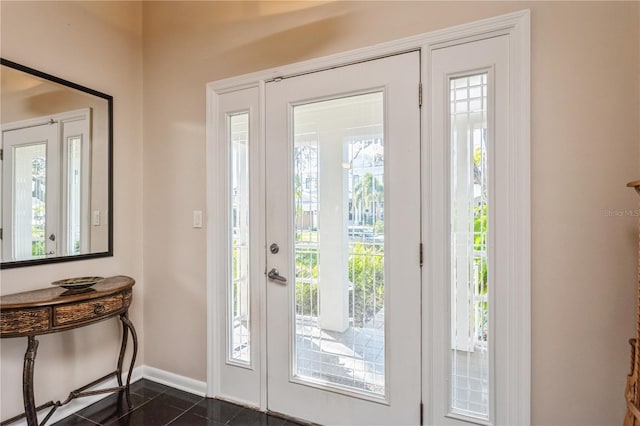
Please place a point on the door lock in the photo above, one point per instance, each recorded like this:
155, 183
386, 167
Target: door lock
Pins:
273, 248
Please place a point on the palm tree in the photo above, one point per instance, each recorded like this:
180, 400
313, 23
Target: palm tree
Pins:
367, 193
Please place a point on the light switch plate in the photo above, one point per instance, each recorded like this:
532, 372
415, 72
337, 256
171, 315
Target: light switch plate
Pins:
197, 218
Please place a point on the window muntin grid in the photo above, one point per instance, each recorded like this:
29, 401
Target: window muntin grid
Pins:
470, 277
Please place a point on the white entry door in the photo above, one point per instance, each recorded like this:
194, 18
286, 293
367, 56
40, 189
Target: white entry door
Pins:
343, 243
30, 189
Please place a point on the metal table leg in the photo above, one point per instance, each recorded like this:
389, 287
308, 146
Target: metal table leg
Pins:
127, 326
27, 382
123, 348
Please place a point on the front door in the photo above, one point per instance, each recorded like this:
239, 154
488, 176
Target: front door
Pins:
343, 243
30, 191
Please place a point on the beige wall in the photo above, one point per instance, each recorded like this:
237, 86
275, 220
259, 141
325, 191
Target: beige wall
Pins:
585, 147
97, 45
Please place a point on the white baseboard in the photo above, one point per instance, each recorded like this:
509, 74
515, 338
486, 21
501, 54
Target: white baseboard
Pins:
141, 372
174, 380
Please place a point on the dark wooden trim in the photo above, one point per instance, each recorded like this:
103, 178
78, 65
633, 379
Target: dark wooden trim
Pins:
53, 78
61, 259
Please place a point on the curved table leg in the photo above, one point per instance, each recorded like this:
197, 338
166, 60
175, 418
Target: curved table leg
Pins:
27, 382
123, 348
127, 324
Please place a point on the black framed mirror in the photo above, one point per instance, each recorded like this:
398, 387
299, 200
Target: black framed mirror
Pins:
56, 182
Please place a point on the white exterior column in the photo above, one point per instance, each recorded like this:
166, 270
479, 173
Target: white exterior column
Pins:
332, 234
462, 204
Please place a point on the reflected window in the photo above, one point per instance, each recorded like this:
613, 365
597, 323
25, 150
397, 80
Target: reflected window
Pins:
45, 187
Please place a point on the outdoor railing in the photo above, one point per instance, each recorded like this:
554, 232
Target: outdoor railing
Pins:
365, 280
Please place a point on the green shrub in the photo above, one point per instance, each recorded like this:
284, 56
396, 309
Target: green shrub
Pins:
366, 272
307, 299
37, 248
306, 292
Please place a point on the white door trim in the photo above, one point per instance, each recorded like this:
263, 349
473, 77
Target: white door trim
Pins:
517, 26
216, 180
513, 399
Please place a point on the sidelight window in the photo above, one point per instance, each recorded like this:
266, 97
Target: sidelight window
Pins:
239, 282
470, 275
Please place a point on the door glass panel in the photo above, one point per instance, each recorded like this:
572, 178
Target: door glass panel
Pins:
470, 276
29, 200
338, 157
74, 191
239, 313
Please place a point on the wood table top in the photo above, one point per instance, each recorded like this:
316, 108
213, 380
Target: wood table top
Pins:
56, 295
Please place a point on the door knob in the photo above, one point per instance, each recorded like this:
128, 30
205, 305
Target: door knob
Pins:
273, 274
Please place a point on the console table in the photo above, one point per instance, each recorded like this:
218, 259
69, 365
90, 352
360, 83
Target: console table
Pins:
56, 309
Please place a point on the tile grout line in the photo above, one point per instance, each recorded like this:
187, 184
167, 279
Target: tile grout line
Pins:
183, 412
142, 396
84, 418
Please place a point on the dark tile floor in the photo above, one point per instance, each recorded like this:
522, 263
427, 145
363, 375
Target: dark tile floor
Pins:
155, 404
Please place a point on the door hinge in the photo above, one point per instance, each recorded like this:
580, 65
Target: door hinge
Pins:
0, 233
420, 95
421, 413
421, 255
1, 154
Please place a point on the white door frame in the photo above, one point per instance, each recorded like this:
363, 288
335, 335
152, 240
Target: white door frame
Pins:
517, 26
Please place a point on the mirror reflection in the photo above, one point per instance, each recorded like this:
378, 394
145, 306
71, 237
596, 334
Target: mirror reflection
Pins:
55, 180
